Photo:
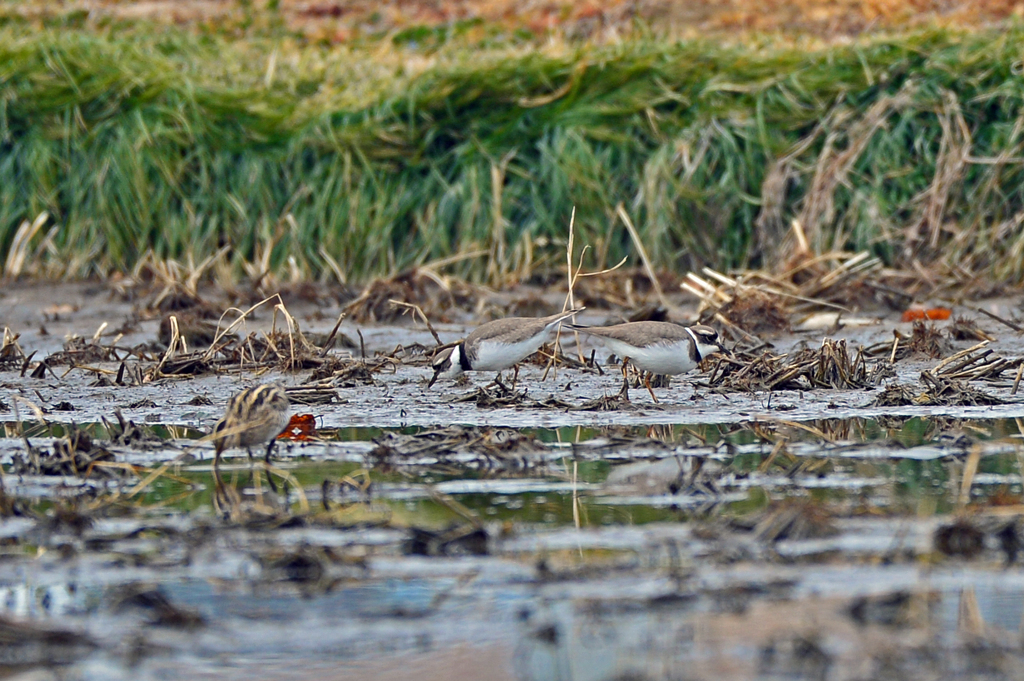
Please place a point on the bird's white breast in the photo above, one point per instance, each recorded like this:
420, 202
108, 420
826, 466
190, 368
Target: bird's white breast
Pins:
493, 355
660, 358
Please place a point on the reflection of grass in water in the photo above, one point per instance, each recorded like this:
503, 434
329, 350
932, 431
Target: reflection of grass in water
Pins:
99, 431
907, 432
904, 483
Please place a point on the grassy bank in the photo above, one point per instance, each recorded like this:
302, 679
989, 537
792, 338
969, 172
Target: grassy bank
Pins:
362, 160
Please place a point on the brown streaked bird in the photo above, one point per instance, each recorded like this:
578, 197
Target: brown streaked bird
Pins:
254, 416
498, 345
657, 347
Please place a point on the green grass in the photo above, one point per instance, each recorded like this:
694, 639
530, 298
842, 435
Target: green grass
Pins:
384, 157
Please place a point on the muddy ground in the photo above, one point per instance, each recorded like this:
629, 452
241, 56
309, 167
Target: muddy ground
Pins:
718, 534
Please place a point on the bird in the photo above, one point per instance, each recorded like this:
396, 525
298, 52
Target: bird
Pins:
656, 347
498, 345
253, 416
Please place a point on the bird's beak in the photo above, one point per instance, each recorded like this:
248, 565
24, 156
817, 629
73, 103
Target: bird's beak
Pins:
433, 379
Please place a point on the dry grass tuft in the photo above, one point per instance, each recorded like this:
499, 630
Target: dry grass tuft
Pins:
929, 341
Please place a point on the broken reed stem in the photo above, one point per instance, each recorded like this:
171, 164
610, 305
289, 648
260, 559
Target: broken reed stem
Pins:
175, 340
160, 470
956, 356
454, 506
1016, 380
570, 299
575, 495
624, 216
332, 334
291, 332
970, 468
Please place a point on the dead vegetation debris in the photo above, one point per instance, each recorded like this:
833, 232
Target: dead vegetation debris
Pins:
894, 395
975, 363
348, 373
78, 350
761, 302
614, 402
72, 455
11, 354
197, 330
26, 644
305, 566
127, 433
890, 609
944, 391
458, 540
939, 390
795, 519
497, 395
288, 350
960, 538
152, 599
504, 447
828, 366
964, 328
68, 515
756, 312
421, 287
310, 395
925, 340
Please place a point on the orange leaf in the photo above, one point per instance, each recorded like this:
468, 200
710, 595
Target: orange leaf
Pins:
300, 427
916, 314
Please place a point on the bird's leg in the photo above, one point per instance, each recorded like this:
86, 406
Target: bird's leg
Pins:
224, 503
624, 393
266, 465
515, 376
647, 382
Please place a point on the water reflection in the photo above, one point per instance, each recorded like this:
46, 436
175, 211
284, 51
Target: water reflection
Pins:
628, 627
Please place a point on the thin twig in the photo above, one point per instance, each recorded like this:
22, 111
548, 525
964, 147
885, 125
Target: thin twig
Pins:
996, 317
417, 308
